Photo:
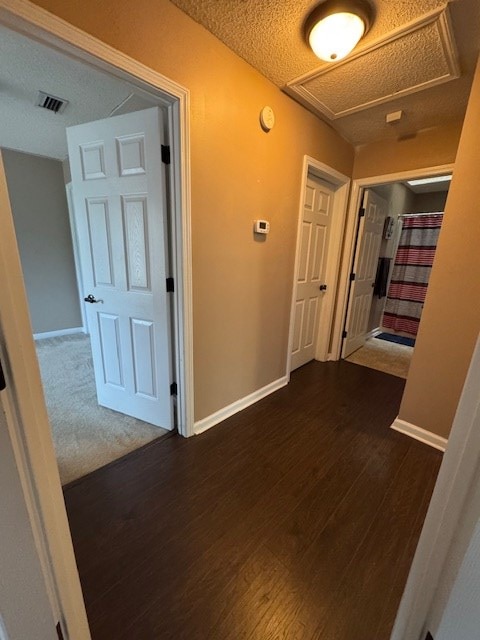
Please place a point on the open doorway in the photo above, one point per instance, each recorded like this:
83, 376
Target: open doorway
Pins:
397, 233
40, 174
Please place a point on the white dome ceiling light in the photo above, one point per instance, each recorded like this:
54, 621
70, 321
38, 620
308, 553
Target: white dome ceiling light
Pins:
335, 27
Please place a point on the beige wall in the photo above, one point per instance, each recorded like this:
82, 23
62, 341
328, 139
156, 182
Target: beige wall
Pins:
428, 148
451, 317
40, 213
242, 288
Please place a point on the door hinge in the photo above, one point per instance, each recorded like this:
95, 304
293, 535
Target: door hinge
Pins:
429, 636
165, 154
173, 389
361, 212
170, 285
344, 334
3, 384
352, 277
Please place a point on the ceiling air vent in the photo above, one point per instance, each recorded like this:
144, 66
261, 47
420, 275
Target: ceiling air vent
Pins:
52, 103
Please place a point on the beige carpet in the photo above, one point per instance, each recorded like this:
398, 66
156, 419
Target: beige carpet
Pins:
388, 357
85, 435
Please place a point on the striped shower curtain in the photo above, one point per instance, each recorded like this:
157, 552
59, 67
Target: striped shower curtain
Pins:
411, 272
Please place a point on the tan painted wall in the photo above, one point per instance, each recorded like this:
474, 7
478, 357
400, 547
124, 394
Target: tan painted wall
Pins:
451, 317
426, 149
242, 288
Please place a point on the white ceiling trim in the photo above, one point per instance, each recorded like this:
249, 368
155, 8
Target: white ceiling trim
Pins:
440, 17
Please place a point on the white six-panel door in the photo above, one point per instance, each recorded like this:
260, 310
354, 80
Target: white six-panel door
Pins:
312, 262
119, 192
370, 234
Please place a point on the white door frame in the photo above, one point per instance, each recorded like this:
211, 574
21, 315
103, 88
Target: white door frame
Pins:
31, 20
358, 187
76, 254
451, 515
29, 430
359, 237
28, 421
341, 184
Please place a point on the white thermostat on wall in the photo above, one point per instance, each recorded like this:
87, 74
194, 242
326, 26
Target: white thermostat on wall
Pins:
262, 226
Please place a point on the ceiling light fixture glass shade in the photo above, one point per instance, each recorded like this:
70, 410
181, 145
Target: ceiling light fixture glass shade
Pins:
334, 28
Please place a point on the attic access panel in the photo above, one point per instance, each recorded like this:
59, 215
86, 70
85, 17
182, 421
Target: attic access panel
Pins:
413, 58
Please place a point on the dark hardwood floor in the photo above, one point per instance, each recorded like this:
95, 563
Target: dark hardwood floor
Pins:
296, 519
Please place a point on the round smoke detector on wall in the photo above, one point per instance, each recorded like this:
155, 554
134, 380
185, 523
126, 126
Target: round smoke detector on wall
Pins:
267, 118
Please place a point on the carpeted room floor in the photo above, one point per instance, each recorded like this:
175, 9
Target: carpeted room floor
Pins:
86, 436
381, 355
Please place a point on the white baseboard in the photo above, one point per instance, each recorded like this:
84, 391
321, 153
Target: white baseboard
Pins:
373, 333
222, 414
419, 434
56, 334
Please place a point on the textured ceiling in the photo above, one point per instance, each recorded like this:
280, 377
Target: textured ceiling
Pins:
419, 58
269, 35
27, 67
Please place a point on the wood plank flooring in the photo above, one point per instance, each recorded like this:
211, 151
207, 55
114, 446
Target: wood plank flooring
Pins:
296, 519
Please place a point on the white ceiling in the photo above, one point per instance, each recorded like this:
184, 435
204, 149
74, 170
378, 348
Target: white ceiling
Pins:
408, 61
27, 67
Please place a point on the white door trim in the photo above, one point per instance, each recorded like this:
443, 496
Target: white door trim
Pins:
358, 187
27, 18
29, 423
364, 281
29, 429
447, 514
76, 257
341, 183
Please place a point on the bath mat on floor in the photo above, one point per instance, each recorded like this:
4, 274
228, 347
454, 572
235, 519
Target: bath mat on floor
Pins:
409, 342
